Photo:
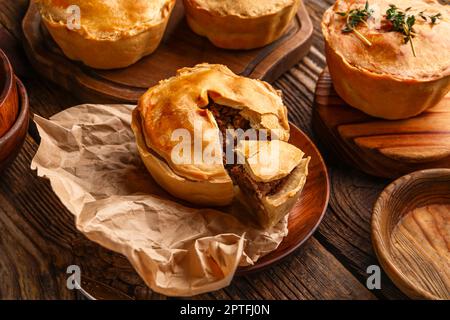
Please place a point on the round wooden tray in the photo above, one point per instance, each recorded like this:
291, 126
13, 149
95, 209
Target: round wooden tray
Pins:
303, 221
179, 48
412, 245
382, 148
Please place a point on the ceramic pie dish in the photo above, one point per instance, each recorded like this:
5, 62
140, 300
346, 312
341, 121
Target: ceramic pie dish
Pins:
112, 34
240, 24
381, 70
200, 113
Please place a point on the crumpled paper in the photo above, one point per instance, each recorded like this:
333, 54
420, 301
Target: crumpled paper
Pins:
88, 153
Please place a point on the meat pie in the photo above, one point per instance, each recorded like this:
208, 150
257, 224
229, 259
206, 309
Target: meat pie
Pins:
211, 99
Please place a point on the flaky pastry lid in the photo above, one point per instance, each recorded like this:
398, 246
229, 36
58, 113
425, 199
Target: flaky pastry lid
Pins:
279, 202
389, 55
180, 103
216, 193
110, 19
243, 8
267, 161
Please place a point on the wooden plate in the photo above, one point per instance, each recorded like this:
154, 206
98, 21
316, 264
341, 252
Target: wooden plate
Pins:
303, 220
180, 48
12, 141
382, 148
413, 246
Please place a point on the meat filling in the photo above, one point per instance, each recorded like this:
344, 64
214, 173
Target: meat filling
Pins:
230, 118
252, 187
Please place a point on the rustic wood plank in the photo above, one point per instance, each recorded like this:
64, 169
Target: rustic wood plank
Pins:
34, 256
11, 13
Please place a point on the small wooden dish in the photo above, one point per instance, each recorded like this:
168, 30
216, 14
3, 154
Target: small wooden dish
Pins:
12, 141
9, 102
412, 244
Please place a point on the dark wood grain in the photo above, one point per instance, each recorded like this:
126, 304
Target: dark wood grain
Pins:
33, 244
331, 265
379, 147
179, 48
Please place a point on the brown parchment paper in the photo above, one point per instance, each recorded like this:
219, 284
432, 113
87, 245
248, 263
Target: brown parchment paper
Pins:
88, 153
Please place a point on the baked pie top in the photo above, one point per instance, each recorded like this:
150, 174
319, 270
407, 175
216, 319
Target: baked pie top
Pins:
182, 102
111, 19
279, 159
243, 8
389, 54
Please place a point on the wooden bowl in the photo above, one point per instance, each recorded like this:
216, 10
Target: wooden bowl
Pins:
9, 102
410, 233
12, 141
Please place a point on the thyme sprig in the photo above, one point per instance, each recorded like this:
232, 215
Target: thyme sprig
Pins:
433, 18
354, 18
402, 22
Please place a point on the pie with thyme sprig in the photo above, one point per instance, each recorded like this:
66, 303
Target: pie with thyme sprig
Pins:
389, 58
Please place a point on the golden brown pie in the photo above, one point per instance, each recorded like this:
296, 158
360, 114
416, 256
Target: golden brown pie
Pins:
204, 109
112, 34
240, 24
395, 63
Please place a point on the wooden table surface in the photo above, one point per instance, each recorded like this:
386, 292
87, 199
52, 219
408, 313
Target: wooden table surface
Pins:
35, 250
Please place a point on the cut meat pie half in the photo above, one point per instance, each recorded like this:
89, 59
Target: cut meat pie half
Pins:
271, 178
186, 116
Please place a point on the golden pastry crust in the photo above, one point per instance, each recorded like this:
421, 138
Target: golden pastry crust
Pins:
286, 162
243, 8
181, 103
113, 34
240, 24
217, 191
270, 152
278, 205
385, 79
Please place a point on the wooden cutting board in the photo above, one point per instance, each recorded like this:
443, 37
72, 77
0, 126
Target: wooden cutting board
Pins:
382, 148
180, 48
